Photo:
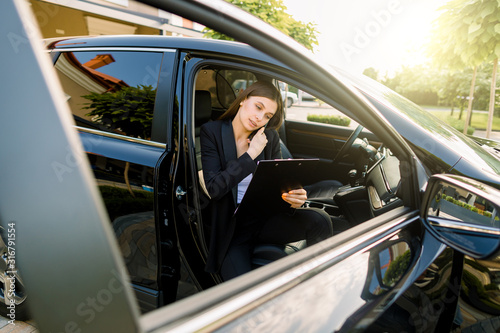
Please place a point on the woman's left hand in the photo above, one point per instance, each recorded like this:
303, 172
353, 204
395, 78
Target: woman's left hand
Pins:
296, 198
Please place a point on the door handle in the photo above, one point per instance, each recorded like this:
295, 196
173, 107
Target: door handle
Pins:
179, 192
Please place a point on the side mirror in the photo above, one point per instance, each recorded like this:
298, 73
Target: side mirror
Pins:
388, 263
463, 214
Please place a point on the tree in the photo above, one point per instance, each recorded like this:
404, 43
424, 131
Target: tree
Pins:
414, 83
442, 49
274, 13
128, 110
371, 72
466, 34
451, 85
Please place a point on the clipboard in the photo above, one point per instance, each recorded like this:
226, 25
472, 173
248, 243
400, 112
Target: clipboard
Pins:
272, 178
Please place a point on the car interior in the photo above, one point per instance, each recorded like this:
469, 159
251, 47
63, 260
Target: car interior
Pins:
357, 177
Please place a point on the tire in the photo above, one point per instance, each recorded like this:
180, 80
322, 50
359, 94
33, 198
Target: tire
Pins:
12, 291
289, 102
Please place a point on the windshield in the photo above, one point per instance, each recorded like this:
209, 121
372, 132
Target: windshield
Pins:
386, 99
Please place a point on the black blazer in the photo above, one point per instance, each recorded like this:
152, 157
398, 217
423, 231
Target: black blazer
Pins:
222, 171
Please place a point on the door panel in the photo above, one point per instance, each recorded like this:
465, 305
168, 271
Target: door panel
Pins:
345, 282
352, 292
429, 304
189, 205
308, 139
112, 95
127, 189
316, 140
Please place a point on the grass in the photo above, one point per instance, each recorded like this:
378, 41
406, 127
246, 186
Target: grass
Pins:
479, 119
333, 120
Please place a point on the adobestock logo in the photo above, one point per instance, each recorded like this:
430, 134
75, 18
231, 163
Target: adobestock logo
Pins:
379, 19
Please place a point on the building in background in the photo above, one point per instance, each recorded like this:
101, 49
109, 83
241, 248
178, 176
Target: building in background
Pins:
60, 18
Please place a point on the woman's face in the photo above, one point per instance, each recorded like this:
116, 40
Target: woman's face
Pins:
255, 112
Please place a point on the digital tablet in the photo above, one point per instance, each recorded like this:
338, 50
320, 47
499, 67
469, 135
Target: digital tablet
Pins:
270, 180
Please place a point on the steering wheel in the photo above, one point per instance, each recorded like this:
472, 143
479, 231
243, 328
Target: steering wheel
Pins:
347, 145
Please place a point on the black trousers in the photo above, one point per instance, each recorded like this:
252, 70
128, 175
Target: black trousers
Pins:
311, 224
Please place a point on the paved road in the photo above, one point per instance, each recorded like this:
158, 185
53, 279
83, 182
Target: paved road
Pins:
482, 134
17, 327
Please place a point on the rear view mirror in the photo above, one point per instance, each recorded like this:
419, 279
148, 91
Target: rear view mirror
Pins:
464, 214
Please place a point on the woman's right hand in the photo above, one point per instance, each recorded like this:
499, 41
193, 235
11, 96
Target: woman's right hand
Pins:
257, 144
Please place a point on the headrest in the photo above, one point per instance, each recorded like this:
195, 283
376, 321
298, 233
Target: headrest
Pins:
202, 107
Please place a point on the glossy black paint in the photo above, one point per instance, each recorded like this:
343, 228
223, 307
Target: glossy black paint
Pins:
367, 281
441, 148
124, 172
177, 229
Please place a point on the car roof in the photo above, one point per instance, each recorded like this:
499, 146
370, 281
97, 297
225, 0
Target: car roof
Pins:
158, 41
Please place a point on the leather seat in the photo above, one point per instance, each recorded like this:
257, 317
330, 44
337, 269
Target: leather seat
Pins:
323, 191
264, 254
202, 114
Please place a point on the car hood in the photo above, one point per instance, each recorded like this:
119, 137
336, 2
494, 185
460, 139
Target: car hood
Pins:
486, 142
440, 143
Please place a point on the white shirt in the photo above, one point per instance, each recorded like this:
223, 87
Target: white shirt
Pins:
242, 187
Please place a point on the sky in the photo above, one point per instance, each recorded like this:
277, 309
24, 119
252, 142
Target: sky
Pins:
357, 34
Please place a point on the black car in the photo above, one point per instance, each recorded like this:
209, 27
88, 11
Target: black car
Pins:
416, 215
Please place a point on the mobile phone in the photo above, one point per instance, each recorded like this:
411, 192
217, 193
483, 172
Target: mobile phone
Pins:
250, 137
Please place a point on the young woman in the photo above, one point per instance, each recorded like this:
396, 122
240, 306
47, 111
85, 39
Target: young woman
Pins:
230, 148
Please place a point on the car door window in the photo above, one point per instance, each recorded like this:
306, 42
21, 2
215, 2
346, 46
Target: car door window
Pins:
308, 108
111, 90
346, 190
223, 84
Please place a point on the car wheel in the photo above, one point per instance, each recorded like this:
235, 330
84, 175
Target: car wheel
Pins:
12, 293
289, 102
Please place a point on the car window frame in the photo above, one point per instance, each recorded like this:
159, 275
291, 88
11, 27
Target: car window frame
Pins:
161, 126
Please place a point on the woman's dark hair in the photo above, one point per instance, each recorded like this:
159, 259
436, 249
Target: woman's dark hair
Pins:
261, 89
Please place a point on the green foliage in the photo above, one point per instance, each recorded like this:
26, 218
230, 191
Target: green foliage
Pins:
459, 125
129, 110
293, 89
471, 282
415, 83
466, 206
332, 120
371, 73
396, 269
458, 202
474, 264
479, 119
465, 34
428, 85
473, 288
491, 286
274, 13
451, 84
